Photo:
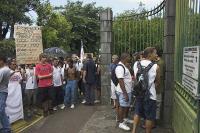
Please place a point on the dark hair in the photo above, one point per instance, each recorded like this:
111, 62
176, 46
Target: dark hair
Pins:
124, 56
3, 58
61, 63
159, 52
70, 61
89, 56
148, 50
42, 55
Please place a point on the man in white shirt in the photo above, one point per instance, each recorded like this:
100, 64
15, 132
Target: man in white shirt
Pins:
123, 89
57, 83
146, 107
31, 85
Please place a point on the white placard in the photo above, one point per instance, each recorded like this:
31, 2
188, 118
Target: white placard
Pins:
28, 42
191, 62
190, 84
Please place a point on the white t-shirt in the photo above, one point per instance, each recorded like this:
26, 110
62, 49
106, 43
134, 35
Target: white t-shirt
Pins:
126, 76
57, 73
151, 74
31, 82
78, 66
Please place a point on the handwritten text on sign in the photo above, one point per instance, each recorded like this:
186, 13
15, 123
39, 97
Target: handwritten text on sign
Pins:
28, 41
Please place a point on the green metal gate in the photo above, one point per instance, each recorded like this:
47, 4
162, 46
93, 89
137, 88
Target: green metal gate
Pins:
186, 105
134, 32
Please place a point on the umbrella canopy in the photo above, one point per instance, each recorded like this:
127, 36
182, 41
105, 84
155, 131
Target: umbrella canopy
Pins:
55, 51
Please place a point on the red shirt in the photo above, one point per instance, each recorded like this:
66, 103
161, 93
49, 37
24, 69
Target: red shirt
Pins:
42, 70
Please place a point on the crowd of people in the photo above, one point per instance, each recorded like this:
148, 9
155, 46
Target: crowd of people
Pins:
57, 83
137, 81
51, 84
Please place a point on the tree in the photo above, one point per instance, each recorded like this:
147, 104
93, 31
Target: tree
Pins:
85, 25
57, 32
56, 29
13, 11
66, 26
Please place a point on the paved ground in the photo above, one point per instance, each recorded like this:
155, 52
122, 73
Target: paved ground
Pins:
64, 121
83, 119
103, 121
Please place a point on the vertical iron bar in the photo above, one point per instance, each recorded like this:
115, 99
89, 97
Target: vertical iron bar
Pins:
129, 35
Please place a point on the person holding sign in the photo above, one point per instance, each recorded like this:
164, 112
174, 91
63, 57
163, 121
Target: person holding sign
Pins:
44, 74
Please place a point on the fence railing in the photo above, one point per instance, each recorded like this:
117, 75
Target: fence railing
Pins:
134, 32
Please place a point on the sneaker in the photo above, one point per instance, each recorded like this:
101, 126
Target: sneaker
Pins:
54, 108
84, 101
62, 106
124, 126
97, 101
126, 120
72, 106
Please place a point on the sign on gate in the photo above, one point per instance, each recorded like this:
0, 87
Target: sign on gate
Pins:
28, 41
190, 75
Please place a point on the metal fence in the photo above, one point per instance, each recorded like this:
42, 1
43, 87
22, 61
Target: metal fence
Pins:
134, 32
186, 111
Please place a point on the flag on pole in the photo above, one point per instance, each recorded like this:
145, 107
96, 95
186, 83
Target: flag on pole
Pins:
82, 52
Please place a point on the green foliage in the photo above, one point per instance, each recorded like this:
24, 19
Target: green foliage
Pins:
13, 11
56, 29
44, 12
85, 25
57, 32
133, 34
66, 26
7, 47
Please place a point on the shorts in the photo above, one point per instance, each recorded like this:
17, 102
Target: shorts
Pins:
113, 93
122, 101
45, 94
146, 109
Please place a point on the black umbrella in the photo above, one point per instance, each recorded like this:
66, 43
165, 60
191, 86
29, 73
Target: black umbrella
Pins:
55, 51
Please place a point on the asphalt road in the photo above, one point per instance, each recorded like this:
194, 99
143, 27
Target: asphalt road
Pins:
64, 121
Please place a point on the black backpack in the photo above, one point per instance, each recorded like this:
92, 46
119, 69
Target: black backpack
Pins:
113, 74
141, 85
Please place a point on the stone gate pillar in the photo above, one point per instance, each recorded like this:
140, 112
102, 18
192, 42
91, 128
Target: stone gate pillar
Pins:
169, 48
105, 41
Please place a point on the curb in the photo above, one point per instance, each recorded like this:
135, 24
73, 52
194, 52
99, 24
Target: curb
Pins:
27, 125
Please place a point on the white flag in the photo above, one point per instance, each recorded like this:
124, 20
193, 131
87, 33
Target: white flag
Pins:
82, 52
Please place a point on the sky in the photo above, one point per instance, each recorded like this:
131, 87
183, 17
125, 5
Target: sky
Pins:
118, 6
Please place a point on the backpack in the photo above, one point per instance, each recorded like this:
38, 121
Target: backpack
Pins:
141, 85
113, 74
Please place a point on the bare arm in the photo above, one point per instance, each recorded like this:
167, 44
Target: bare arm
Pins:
157, 80
45, 76
122, 86
84, 75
